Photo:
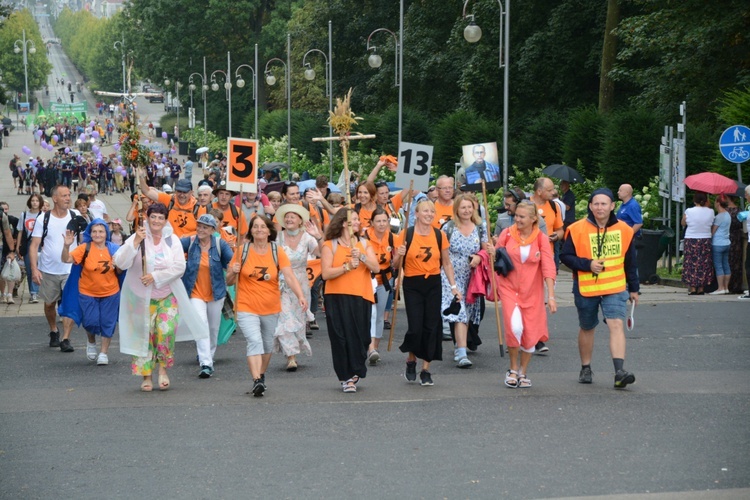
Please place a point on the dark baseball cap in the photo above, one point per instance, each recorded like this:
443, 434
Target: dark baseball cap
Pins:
183, 186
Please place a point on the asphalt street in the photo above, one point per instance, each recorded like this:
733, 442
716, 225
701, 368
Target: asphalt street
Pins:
72, 429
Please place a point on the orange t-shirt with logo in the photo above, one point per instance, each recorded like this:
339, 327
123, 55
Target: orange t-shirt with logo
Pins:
551, 218
98, 278
424, 256
357, 281
383, 250
180, 216
230, 220
258, 281
202, 289
443, 213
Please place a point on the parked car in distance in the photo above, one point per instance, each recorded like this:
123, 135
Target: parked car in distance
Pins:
156, 98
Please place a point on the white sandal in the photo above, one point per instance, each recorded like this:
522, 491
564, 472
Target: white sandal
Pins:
511, 382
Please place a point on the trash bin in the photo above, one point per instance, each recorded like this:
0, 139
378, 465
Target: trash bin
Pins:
650, 247
191, 152
170, 138
183, 147
158, 131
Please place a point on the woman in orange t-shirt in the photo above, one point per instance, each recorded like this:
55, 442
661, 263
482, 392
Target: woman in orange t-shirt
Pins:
381, 239
422, 291
98, 286
366, 194
346, 265
256, 270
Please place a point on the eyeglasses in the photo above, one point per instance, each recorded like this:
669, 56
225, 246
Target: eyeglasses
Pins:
512, 194
448, 188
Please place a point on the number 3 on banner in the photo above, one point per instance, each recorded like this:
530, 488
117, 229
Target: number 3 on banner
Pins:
242, 171
414, 164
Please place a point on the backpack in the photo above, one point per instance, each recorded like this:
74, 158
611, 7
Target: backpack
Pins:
45, 223
450, 226
218, 244
274, 252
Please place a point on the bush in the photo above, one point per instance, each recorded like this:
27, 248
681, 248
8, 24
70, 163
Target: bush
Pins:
540, 142
581, 141
630, 147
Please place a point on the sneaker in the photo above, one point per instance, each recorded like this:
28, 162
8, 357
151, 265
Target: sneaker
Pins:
314, 325
463, 363
373, 357
34, 299
54, 339
623, 378
541, 348
718, 292
258, 388
386, 325
456, 357
102, 359
411, 371
586, 376
65, 346
91, 351
744, 297
425, 378
206, 372
9, 299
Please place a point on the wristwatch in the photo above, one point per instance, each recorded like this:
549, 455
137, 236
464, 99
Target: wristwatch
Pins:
453, 287
362, 257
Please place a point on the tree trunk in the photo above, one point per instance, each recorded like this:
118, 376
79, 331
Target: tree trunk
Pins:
609, 52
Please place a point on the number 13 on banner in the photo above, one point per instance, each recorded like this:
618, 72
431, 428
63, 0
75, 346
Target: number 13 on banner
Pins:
414, 164
242, 165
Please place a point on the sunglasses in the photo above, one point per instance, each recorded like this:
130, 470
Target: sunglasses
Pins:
432, 189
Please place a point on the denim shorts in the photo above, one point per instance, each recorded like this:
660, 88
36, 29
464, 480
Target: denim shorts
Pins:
258, 331
614, 306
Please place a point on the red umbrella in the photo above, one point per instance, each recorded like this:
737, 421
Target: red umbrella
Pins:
711, 182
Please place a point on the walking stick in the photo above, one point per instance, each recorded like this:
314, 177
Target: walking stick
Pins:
400, 270
141, 221
492, 275
236, 246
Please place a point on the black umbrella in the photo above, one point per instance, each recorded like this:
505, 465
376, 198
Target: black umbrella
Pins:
7, 121
740, 189
564, 173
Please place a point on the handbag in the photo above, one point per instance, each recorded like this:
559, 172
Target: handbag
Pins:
11, 271
503, 264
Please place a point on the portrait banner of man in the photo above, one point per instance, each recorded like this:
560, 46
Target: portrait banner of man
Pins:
480, 162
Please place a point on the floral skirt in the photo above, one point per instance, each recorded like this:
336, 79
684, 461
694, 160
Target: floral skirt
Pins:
697, 263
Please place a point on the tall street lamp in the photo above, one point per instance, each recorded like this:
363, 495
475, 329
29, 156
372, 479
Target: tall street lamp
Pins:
241, 83
25, 43
204, 88
177, 87
310, 75
472, 34
120, 45
375, 61
271, 80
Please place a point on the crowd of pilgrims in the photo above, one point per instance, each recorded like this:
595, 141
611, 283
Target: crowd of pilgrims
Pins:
264, 264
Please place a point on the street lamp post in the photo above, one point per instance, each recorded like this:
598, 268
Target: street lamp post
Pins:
177, 87
271, 80
472, 34
241, 83
25, 43
227, 87
121, 44
374, 60
204, 88
310, 75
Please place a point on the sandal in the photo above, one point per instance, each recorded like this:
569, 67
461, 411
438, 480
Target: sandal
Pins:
163, 382
354, 379
349, 386
511, 381
147, 385
523, 381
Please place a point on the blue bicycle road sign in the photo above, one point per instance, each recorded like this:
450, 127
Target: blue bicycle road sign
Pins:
734, 144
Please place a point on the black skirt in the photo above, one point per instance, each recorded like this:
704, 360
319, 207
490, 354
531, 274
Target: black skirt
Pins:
348, 320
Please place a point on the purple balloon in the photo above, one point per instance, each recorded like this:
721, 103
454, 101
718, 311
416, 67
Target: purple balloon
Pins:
119, 157
67, 150
145, 142
56, 137
95, 134
39, 133
163, 135
50, 147
26, 150
44, 144
34, 162
116, 147
92, 123
95, 148
82, 137
173, 151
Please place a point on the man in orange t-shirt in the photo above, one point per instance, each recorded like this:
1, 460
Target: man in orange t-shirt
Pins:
180, 205
232, 214
444, 202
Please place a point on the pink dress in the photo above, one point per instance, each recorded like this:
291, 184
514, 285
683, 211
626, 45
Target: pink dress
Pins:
522, 291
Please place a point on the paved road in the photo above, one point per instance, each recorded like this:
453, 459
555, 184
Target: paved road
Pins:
72, 429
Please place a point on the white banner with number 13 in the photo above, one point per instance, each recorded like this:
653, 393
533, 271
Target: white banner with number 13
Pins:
414, 164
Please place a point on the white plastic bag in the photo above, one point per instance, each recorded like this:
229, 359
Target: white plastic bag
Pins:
11, 271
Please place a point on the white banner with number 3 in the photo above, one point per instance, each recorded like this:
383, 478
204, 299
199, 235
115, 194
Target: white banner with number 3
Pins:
414, 164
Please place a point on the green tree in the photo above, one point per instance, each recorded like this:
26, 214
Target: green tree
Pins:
12, 63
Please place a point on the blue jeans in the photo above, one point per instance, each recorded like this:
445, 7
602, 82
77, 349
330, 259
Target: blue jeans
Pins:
33, 287
721, 260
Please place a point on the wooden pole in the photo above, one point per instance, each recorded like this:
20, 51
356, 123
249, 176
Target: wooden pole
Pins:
345, 155
237, 246
400, 273
492, 274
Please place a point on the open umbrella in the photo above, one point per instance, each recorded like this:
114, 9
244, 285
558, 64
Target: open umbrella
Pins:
711, 182
201, 150
563, 172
